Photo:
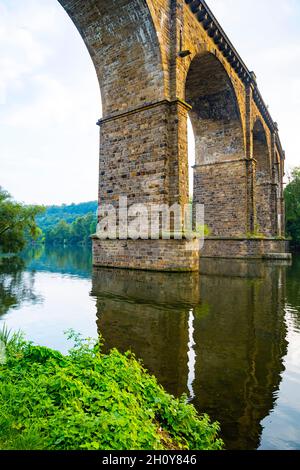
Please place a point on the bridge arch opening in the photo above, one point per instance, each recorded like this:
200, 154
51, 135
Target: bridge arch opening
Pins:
122, 40
215, 114
191, 156
263, 179
218, 180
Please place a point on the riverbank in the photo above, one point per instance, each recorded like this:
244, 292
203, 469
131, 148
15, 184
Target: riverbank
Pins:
89, 400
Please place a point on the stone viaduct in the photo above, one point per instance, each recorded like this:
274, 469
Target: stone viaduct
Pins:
158, 62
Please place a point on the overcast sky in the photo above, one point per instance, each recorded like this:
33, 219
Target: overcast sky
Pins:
50, 101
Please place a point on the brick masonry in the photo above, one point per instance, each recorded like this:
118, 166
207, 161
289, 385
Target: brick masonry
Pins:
159, 61
242, 248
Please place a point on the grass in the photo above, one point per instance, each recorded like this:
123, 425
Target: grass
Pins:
93, 401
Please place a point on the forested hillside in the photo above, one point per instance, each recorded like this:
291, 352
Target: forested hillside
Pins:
68, 224
68, 213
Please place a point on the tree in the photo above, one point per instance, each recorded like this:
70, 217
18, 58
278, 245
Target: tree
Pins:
292, 206
17, 223
59, 234
76, 232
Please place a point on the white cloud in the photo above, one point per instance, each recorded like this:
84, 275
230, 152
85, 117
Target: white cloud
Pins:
20, 50
50, 104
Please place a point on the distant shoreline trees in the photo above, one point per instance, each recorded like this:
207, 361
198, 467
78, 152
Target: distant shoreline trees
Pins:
17, 223
75, 233
292, 207
74, 224
68, 224
22, 224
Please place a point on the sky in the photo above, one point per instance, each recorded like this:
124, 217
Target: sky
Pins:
50, 97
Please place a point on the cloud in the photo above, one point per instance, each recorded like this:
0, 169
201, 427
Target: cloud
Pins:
21, 50
53, 105
50, 104
49, 94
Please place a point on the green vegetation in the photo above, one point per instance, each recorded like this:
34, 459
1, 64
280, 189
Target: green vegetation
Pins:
89, 400
203, 230
17, 223
77, 232
256, 234
68, 213
292, 207
68, 224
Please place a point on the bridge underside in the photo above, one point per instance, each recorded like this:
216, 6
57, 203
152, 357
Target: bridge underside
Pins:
159, 62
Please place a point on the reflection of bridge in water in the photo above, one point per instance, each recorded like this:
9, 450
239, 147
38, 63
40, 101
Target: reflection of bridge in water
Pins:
219, 336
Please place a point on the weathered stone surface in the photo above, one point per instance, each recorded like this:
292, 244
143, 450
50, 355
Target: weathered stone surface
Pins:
159, 61
149, 255
222, 188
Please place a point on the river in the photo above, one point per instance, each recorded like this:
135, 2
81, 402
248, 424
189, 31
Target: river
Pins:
229, 337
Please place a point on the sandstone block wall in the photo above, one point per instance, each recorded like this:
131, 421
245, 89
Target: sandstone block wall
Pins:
150, 255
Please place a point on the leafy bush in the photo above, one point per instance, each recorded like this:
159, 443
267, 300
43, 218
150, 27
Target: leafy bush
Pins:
77, 232
90, 400
17, 223
292, 206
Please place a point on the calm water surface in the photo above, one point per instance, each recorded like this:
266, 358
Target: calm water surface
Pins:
229, 338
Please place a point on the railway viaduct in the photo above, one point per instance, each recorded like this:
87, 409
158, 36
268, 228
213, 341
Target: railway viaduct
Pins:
158, 62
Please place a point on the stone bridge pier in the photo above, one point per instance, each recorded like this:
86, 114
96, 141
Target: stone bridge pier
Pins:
158, 62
